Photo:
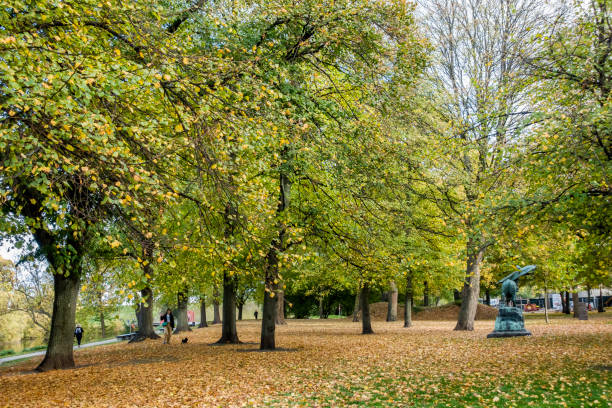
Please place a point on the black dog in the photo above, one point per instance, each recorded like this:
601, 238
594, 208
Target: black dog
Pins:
185, 340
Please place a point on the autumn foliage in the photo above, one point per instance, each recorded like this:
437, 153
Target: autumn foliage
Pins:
328, 363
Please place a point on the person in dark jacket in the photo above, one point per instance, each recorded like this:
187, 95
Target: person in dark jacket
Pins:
168, 324
78, 333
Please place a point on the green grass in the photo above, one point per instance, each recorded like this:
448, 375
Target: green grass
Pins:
35, 348
572, 388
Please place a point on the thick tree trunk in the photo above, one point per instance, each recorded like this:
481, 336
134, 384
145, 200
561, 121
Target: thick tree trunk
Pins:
268, 314
240, 307
408, 302
270, 303
270, 308
366, 325
59, 349
471, 288
145, 317
425, 294
546, 304
203, 322
182, 322
229, 334
216, 314
357, 307
575, 299
280, 305
392, 303
487, 297
600, 305
268, 322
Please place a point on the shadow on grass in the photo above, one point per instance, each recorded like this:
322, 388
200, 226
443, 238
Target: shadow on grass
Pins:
278, 349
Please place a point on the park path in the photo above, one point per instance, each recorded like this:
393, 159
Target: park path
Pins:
42, 352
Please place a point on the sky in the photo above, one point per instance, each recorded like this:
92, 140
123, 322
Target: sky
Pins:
8, 251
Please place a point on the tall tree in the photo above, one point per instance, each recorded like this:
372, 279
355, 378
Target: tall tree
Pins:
63, 108
480, 73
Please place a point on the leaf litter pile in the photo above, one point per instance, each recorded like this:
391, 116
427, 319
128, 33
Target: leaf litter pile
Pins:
328, 363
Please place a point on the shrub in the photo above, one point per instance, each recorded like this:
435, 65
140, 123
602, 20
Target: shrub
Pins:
35, 348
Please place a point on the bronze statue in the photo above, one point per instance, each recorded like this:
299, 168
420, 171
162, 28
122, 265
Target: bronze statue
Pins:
510, 321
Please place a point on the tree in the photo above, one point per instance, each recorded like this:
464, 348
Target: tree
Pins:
571, 151
392, 303
480, 75
81, 133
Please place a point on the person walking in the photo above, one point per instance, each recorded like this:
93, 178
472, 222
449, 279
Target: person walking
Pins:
256, 313
168, 325
78, 333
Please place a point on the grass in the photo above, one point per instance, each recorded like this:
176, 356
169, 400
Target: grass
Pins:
11, 353
328, 363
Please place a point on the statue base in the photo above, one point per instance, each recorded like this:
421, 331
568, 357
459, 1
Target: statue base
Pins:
509, 323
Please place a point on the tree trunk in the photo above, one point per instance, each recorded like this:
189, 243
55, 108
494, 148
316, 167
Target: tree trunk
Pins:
546, 304
357, 307
59, 349
268, 314
321, 311
270, 308
566, 303
471, 287
240, 306
268, 322
270, 303
366, 326
182, 322
392, 303
425, 294
229, 334
216, 314
203, 322
487, 297
280, 304
101, 304
600, 305
408, 301
588, 297
145, 317
575, 299
102, 325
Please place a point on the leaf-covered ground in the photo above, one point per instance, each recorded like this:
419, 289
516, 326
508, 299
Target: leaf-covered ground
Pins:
328, 363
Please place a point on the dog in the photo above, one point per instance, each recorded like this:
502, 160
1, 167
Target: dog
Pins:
185, 340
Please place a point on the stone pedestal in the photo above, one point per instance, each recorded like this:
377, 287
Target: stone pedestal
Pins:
509, 323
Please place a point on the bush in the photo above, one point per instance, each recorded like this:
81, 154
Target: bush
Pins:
6, 353
35, 348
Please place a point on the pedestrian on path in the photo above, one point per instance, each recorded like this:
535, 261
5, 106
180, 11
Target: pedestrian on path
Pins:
78, 333
256, 313
168, 325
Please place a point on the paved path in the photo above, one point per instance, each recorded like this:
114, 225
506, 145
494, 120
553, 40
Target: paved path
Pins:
42, 353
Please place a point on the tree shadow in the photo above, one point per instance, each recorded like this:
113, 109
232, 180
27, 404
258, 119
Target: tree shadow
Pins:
278, 349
